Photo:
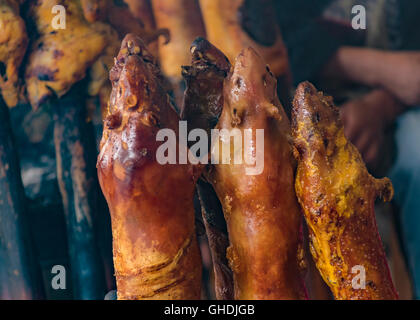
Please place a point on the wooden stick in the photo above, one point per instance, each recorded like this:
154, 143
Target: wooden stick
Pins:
17, 263
75, 153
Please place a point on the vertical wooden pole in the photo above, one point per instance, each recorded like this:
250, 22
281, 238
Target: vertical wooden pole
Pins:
18, 270
76, 173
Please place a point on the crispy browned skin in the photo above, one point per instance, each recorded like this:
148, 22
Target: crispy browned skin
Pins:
236, 24
156, 254
60, 58
203, 100
142, 10
13, 44
337, 195
261, 211
94, 10
203, 104
123, 21
183, 20
134, 17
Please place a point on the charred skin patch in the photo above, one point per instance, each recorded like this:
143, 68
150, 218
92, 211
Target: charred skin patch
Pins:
44, 73
203, 99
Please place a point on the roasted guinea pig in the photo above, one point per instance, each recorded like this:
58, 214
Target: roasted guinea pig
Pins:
124, 20
183, 20
236, 24
13, 44
142, 10
60, 57
203, 99
94, 10
156, 254
129, 17
337, 195
257, 195
138, 21
203, 104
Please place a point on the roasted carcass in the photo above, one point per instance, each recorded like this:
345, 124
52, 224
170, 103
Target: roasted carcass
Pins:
258, 198
203, 104
337, 195
13, 44
60, 57
236, 24
138, 19
183, 20
142, 10
156, 255
95, 10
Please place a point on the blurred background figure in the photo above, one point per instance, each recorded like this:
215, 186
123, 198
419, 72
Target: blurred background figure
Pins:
374, 74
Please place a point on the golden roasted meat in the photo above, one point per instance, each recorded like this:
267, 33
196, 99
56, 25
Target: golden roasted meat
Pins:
99, 84
13, 44
203, 104
337, 195
183, 20
236, 24
123, 21
142, 9
60, 57
134, 17
260, 207
137, 18
94, 10
156, 254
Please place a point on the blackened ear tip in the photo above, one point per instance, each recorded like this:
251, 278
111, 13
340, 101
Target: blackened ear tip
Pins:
199, 40
199, 44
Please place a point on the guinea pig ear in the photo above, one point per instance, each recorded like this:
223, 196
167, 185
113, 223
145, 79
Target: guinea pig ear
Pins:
384, 189
272, 111
154, 36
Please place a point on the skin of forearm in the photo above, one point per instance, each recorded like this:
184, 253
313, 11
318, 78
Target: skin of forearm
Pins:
370, 67
360, 65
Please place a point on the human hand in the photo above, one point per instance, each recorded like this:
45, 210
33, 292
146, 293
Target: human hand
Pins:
365, 120
400, 75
